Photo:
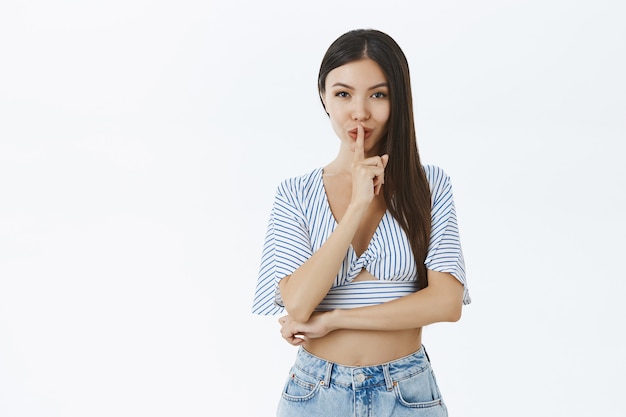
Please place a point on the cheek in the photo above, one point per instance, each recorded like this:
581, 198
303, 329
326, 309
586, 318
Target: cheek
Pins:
385, 113
384, 118
337, 127
381, 112
335, 117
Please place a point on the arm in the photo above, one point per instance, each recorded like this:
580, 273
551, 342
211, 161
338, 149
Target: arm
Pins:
303, 290
441, 301
307, 286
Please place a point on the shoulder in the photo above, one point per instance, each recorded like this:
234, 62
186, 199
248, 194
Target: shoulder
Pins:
300, 183
298, 191
438, 179
435, 174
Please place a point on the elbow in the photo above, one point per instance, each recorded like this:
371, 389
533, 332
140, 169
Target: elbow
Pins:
297, 306
455, 313
452, 309
447, 293
297, 312
455, 310
451, 302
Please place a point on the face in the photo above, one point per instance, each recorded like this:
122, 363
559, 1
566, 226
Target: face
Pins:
358, 93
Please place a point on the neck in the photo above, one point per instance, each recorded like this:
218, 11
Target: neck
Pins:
342, 164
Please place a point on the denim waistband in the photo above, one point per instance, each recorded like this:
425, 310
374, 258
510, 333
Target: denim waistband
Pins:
357, 377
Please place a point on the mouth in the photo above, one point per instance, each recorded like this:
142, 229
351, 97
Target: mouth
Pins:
367, 133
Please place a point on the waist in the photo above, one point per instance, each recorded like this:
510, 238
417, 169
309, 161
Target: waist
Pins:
362, 376
365, 347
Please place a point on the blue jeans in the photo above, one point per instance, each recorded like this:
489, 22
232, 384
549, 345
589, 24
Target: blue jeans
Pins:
403, 387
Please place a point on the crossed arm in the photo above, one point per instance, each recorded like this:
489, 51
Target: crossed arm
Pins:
441, 301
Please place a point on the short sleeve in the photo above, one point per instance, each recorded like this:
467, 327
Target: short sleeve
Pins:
287, 246
444, 252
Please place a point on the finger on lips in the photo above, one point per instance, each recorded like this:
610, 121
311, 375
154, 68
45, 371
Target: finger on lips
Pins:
359, 148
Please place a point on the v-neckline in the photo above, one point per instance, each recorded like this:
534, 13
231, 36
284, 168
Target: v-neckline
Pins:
335, 222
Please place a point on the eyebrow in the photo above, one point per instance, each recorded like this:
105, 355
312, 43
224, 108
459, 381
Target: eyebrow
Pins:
385, 84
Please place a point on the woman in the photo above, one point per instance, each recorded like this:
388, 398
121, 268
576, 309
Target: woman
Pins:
365, 251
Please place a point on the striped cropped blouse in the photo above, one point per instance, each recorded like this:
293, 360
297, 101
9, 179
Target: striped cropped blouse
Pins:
301, 221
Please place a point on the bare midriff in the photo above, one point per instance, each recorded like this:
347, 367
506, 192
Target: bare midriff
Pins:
365, 347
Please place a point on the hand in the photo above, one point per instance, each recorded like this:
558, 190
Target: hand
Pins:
296, 333
368, 174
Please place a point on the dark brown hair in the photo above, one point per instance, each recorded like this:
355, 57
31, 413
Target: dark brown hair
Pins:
406, 188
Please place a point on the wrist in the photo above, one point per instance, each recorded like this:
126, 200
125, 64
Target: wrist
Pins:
356, 209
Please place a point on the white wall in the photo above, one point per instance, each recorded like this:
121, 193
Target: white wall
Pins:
141, 143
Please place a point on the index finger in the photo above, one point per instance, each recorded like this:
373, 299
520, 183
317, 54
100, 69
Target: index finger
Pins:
359, 146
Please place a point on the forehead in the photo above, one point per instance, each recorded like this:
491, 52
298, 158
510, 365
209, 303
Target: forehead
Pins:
363, 73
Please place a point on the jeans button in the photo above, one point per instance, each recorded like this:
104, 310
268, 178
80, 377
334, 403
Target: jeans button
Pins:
360, 378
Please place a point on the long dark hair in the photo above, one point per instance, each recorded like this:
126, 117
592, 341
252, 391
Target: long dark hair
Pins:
406, 189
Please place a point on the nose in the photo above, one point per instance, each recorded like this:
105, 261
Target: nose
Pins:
360, 110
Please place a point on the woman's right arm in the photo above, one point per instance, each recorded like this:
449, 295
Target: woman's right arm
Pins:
307, 286
303, 290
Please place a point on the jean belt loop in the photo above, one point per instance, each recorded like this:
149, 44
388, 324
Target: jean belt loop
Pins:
329, 370
387, 374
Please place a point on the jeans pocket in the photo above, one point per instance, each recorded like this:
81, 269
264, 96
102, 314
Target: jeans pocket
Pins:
300, 386
419, 391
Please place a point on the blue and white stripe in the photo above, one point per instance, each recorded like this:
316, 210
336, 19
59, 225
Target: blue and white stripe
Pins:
301, 221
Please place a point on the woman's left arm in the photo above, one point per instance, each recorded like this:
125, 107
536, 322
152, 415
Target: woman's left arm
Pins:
441, 301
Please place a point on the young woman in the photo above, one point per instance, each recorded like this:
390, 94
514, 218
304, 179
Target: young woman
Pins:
365, 251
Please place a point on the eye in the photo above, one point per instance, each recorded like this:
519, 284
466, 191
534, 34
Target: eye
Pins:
379, 95
342, 94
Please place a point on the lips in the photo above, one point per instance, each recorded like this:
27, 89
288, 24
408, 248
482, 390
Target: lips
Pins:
366, 131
